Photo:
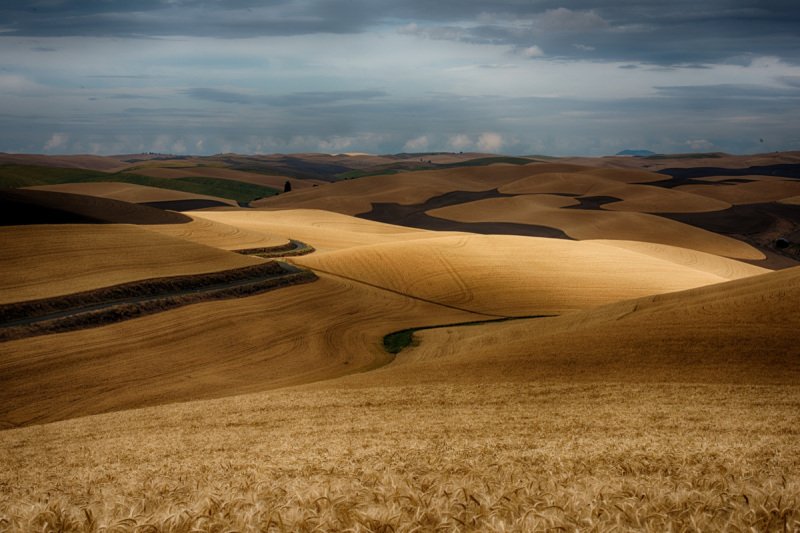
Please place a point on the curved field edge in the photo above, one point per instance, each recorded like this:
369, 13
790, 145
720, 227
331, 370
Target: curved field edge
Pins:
397, 340
16, 176
126, 301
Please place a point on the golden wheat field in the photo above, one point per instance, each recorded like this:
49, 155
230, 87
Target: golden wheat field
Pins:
129, 192
643, 378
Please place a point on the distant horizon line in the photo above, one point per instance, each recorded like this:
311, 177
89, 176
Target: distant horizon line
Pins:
405, 154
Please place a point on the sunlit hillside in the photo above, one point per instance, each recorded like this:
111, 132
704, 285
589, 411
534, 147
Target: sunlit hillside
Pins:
479, 344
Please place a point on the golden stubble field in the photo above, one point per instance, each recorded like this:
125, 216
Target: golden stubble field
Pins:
677, 412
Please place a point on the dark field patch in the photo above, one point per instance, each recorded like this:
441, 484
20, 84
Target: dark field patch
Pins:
415, 216
760, 225
19, 207
107, 305
689, 176
593, 202
185, 205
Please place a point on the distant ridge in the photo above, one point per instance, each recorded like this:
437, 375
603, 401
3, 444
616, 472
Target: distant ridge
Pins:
636, 153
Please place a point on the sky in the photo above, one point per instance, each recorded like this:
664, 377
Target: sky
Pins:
524, 77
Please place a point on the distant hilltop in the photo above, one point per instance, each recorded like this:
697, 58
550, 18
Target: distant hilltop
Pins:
636, 153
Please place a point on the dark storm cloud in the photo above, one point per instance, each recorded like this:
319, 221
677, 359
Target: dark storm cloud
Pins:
681, 31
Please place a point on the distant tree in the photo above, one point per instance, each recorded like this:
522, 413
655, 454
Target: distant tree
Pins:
287, 187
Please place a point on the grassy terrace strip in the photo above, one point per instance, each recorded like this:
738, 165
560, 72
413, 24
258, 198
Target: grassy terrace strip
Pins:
16, 176
395, 342
130, 300
291, 249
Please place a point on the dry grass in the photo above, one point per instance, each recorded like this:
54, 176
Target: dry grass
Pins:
496, 457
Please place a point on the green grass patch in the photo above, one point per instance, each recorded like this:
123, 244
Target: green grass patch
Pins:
396, 341
235, 190
15, 176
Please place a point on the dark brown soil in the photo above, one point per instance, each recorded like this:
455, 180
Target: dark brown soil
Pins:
593, 202
129, 300
185, 205
760, 225
415, 216
688, 176
20, 207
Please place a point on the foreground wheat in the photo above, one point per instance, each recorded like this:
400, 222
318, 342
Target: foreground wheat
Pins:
499, 457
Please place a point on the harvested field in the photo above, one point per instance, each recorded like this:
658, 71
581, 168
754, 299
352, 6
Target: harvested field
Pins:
323, 230
505, 275
664, 397
276, 182
207, 231
735, 332
639, 198
794, 200
129, 192
108, 305
582, 224
407, 188
753, 192
21, 207
457, 435
299, 334
71, 258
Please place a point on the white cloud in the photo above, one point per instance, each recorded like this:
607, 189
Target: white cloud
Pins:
57, 140
700, 144
460, 142
418, 144
532, 51
490, 142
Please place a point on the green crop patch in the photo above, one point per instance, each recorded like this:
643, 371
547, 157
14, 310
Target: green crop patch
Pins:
16, 176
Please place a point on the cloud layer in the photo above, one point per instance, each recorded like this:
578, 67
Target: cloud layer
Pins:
577, 77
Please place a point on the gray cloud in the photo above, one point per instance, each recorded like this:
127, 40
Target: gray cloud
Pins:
308, 98
682, 31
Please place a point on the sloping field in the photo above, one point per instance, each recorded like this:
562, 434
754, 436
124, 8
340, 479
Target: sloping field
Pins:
794, 200
508, 275
23, 206
293, 335
757, 191
677, 412
642, 198
743, 331
596, 224
91, 162
209, 232
276, 182
357, 196
40, 261
324, 230
129, 192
